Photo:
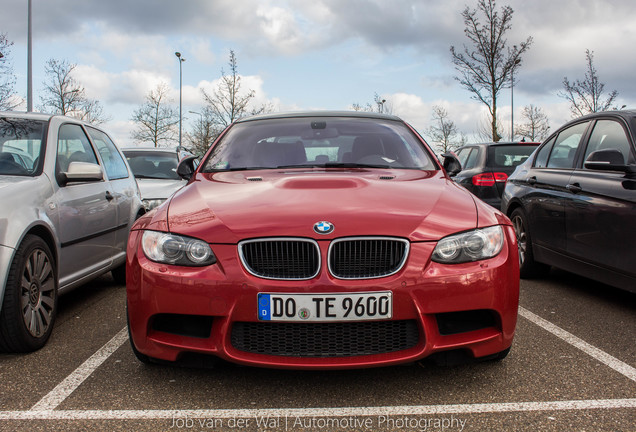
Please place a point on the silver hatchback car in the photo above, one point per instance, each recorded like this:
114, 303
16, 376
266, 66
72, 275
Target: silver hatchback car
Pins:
156, 172
68, 200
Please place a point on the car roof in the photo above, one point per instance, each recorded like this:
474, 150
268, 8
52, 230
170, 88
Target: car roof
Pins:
625, 114
47, 117
314, 114
620, 113
27, 115
150, 149
501, 143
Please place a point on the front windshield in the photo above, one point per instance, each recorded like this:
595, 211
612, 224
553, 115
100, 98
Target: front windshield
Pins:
21, 141
152, 165
325, 142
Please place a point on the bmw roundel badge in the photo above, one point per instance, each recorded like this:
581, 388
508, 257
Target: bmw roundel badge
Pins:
323, 227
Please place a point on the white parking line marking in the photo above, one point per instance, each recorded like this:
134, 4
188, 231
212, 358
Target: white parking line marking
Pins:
45, 408
319, 412
77, 377
590, 350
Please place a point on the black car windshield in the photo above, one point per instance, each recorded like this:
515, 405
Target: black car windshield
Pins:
152, 164
21, 142
324, 142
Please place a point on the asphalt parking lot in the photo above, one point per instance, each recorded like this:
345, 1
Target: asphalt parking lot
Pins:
572, 367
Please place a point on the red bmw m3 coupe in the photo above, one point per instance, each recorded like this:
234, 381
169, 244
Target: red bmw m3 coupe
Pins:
321, 240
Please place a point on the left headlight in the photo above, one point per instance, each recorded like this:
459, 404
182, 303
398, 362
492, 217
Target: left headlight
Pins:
469, 246
174, 249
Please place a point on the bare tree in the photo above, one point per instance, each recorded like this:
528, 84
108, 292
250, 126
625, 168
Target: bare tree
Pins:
536, 126
228, 103
380, 105
63, 94
443, 131
487, 66
8, 98
586, 96
203, 134
156, 120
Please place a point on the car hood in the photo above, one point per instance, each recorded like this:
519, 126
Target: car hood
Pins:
158, 188
231, 206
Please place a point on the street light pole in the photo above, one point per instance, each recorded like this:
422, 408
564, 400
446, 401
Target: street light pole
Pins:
181, 60
199, 114
29, 62
512, 100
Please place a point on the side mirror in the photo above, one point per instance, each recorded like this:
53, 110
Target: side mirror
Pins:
608, 160
81, 172
186, 167
452, 165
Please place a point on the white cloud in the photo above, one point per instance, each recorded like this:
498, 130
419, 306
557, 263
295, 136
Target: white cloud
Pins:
399, 48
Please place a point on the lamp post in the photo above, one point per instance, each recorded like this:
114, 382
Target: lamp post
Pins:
29, 62
512, 100
199, 114
181, 60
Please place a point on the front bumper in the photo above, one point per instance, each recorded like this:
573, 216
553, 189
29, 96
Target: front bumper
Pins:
213, 310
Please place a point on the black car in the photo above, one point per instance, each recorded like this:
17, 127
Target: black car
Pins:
573, 204
486, 167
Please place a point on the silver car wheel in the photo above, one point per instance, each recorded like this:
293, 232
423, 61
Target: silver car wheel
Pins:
522, 239
37, 293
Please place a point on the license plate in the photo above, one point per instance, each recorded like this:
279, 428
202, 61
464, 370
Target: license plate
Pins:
325, 307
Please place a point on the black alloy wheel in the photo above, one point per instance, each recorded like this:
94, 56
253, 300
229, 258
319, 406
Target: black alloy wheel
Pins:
528, 267
30, 299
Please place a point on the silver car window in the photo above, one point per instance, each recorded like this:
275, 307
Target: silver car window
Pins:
113, 162
73, 146
21, 143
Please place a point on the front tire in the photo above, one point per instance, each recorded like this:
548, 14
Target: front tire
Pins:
141, 357
119, 274
29, 306
528, 267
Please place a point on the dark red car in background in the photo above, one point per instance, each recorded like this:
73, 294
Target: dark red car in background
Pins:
321, 240
487, 166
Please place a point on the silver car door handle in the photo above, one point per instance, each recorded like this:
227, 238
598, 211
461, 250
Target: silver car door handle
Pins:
574, 188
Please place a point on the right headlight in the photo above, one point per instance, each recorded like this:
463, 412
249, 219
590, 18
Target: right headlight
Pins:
469, 246
174, 249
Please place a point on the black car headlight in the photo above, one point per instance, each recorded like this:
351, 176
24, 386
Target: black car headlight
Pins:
174, 249
469, 246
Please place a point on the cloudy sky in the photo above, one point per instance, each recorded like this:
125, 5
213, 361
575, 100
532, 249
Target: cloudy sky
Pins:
319, 54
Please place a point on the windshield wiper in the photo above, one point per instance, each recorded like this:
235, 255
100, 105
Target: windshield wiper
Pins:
300, 166
333, 165
353, 165
212, 170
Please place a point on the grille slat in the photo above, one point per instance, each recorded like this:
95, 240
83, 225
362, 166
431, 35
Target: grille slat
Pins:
367, 257
281, 258
325, 339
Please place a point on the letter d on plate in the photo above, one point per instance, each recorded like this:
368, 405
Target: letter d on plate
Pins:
264, 312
